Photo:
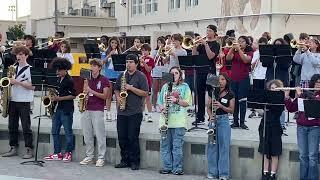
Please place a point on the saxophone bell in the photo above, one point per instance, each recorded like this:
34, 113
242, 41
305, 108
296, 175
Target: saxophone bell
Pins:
212, 135
5, 82
46, 101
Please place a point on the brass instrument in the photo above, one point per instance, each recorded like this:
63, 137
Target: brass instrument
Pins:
296, 44
51, 40
48, 102
293, 88
213, 81
164, 128
6, 90
83, 97
189, 43
123, 92
102, 47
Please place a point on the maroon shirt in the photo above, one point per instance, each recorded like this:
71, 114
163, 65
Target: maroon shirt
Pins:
150, 62
292, 106
97, 84
239, 69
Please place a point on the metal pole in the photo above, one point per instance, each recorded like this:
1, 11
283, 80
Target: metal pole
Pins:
16, 11
56, 15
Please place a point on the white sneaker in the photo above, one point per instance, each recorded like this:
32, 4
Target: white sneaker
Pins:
149, 118
86, 161
108, 116
100, 163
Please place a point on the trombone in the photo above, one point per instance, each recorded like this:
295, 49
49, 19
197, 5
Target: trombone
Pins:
188, 42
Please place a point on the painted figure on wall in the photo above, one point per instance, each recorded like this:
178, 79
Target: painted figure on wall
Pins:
237, 7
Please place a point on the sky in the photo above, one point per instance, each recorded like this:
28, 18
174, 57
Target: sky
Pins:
23, 9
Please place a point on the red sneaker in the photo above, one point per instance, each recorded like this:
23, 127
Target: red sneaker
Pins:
53, 157
67, 157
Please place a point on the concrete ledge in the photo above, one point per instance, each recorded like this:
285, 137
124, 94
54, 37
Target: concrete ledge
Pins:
245, 159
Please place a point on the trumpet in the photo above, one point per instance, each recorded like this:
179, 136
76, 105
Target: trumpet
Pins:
296, 44
51, 40
293, 88
189, 43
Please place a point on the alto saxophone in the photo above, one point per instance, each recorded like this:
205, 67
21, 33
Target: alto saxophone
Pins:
212, 132
164, 128
83, 97
123, 92
47, 101
6, 90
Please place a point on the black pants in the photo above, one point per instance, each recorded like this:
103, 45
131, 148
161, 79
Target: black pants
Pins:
201, 94
19, 110
128, 128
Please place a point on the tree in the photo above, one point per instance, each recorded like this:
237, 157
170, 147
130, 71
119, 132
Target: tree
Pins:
17, 31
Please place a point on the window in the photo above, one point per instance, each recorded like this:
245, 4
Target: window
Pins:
136, 7
190, 3
151, 6
112, 10
174, 4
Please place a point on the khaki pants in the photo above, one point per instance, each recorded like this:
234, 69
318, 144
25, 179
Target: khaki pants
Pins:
92, 122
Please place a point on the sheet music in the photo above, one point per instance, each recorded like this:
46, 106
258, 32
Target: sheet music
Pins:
300, 105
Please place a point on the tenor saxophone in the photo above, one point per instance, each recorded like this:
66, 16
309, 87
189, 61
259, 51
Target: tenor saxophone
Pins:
6, 90
123, 92
164, 128
83, 97
212, 132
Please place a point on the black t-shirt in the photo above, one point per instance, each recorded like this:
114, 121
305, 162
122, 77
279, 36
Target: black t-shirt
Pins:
225, 101
214, 47
66, 88
134, 103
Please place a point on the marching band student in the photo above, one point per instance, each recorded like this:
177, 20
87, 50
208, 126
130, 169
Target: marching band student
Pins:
157, 82
310, 61
30, 44
211, 48
109, 72
176, 50
56, 44
19, 106
146, 66
258, 71
308, 131
129, 120
63, 115
179, 99
226, 65
92, 120
137, 43
218, 154
267, 35
240, 55
65, 51
271, 145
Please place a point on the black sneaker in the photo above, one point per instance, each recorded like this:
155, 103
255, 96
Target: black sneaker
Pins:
121, 165
265, 176
284, 128
179, 172
234, 125
163, 171
243, 126
201, 122
253, 114
135, 166
272, 177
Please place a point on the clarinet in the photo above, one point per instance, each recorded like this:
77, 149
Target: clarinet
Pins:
164, 128
212, 132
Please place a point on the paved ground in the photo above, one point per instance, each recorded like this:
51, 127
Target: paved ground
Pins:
11, 169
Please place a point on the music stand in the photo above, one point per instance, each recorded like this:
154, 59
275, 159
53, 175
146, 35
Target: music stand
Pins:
119, 62
92, 50
266, 100
194, 62
311, 108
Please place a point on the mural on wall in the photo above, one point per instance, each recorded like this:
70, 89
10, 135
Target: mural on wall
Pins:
237, 7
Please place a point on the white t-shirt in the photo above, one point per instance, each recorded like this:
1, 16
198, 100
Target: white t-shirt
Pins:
67, 56
259, 72
19, 93
175, 61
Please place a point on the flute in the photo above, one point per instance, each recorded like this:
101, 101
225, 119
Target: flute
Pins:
293, 88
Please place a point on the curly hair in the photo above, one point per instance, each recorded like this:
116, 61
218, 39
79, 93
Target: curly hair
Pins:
61, 64
314, 80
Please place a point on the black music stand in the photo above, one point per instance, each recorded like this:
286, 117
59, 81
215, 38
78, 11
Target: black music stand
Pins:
265, 100
194, 62
92, 50
119, 62
311, 108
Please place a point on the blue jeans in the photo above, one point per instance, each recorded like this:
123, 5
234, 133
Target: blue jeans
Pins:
218, 154
240, 90
308, 144
283, 119
172, 149
66, 119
